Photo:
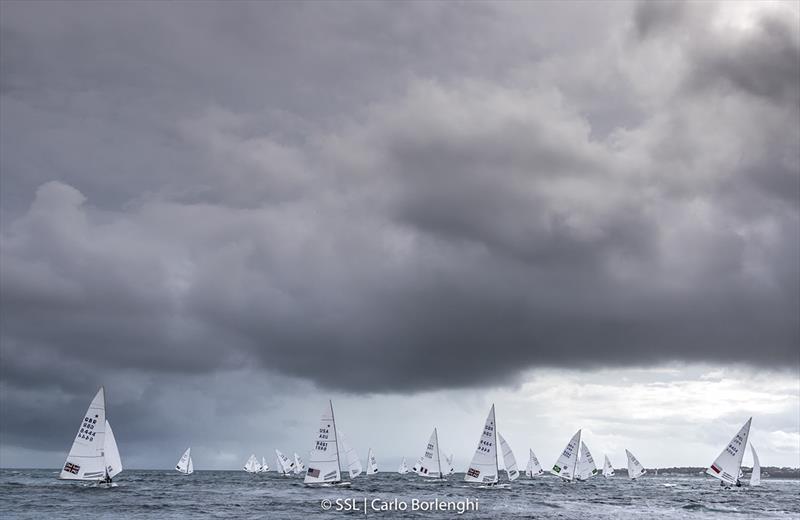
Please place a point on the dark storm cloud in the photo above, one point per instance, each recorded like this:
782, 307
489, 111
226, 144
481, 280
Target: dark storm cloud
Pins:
346, 195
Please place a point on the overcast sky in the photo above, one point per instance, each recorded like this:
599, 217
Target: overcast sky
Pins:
228, 213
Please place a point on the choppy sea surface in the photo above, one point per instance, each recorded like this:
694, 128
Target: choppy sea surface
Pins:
236, 494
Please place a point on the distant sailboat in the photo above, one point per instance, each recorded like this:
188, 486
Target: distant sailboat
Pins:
252, 465
299, 467
533, 469
185, 465
330, 450
586, 466
94, 454
635, 468
567, 464
485, 465
450, 464
755, 477
403, 469
372, 464
264, 467
608, 469
509, 461
430, 464
727, 467
283, 465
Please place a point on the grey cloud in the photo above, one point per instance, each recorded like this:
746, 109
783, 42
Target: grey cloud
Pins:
189, 190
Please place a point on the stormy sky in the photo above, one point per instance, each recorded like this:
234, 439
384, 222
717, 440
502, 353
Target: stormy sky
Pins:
227, 213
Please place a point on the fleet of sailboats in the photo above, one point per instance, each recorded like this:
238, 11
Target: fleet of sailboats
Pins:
94, 456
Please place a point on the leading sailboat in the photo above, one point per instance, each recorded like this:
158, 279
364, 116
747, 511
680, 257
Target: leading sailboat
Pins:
330, 449
185, 465
94, 455
485, 466
728, 466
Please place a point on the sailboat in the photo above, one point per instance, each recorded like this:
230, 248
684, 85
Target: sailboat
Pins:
485, 466
94, 455
586, 466
403, 469
635, 468
430, 464
533, 469
330, 450
450, 464
185, 465
755, 476
727, 467
264, 467
299, 467
509, 461
567, 464
252, 465
283, 465
372, 463
608, 469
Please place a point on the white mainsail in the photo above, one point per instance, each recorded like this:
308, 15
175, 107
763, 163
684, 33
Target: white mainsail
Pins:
755, 477
372, 464
252, 465
86, 460
299, 467
567, 464
403, 469
450, 463
263, 467
635, 468
608, 469
184, 464
111, 452
509, 461
284, 466
430, 464
323, 460
586, 466
483, 467
727, 467
533, 468
350, 456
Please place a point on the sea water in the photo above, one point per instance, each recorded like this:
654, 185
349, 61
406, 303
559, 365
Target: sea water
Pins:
236, 494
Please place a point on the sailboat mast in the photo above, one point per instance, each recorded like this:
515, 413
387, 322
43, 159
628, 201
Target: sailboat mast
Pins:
105, 466
336, 435
496, 461
438, 455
